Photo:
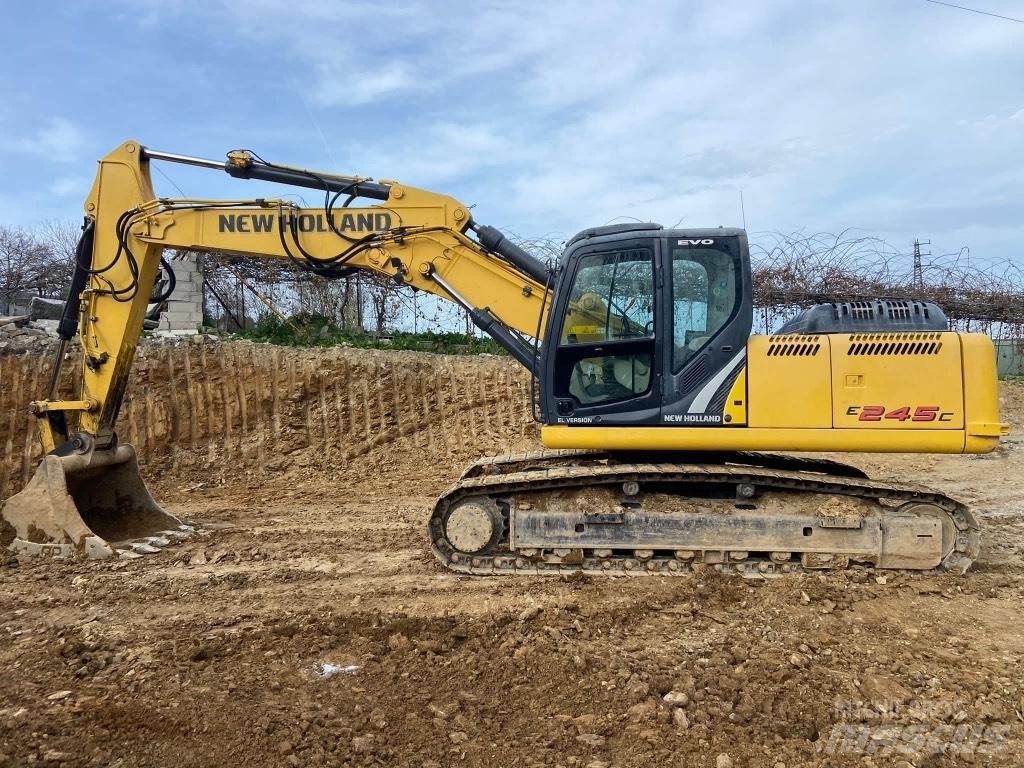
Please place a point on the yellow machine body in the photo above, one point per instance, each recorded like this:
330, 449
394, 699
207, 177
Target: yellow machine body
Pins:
876, 392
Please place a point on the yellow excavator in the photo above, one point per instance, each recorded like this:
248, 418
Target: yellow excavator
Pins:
657, 403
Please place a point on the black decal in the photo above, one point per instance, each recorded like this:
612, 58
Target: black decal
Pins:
307, 222
365, 222
383, 221
348, 222
852, 410
243, 223
321, 225
226, 223
263, 222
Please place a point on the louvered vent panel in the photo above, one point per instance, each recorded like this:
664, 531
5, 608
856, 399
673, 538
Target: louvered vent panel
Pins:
793, 346
896, 344
694, 374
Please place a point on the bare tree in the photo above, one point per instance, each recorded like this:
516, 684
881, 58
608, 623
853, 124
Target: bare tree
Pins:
24, 263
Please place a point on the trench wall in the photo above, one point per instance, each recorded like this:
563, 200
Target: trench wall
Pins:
227, 412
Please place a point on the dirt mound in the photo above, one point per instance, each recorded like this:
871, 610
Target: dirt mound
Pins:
309, 625
210, 412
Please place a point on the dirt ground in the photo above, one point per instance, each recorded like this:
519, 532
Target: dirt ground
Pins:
311, 475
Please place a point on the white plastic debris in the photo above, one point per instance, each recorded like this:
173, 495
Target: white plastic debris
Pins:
325, 670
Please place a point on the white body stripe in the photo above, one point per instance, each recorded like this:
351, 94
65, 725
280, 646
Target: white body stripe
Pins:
700, 402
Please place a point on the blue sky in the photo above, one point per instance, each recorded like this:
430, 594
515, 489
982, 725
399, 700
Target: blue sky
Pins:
900, 117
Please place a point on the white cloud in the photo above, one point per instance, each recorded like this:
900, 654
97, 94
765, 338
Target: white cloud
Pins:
337, 88
59, 139
71, 186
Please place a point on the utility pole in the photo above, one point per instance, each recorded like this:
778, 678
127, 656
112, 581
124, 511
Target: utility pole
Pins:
918, 270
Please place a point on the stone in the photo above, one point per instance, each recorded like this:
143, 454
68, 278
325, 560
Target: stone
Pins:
880, 689
285, 748
680, 719
530, 613
723, 761
59, 695
458, 737
799, 661
676, 698
198, 558
642, 711
591, 739
363, 744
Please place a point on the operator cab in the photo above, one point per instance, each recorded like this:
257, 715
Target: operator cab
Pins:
649, 326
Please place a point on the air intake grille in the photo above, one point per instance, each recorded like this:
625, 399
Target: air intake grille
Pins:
694, 374
895, 344
793, 346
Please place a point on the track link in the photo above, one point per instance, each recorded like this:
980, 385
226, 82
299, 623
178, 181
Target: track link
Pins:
500, 485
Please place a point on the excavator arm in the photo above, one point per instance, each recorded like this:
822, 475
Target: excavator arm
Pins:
419, 238
87, 496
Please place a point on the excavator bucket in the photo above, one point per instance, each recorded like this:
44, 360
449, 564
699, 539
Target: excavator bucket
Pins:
91, 504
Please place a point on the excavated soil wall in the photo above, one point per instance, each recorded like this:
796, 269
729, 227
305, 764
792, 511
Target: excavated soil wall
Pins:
213, 411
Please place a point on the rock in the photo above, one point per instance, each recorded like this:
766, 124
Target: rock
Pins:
53, 756
363, 744
723, 761
530, 613
585, 723
79, 581
642, 711
285, 748
45, 309
437, 711
217, 556
59, 695
805, 599
676, 698
198, 558
680, 719
458, 737
880, 689
799, 661
779, 764
598, 764
591, 739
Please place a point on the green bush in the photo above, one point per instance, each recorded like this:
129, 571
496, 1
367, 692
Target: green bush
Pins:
310, 330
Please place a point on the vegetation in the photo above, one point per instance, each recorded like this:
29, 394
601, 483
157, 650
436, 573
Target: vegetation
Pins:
312, 330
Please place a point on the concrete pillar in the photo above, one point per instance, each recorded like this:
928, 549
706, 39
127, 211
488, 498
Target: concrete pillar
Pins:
184, 313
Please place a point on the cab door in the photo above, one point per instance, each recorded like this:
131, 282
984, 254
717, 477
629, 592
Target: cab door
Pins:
606, 363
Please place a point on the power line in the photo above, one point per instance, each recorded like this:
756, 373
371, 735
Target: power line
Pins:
975, 10
160, 171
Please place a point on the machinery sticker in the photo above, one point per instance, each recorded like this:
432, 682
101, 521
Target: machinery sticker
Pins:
306, 222
904, 413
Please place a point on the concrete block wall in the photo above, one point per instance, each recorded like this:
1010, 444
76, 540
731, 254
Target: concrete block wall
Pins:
1010, 356
184, 313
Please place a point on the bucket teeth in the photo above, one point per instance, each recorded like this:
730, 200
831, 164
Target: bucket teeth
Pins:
91, 504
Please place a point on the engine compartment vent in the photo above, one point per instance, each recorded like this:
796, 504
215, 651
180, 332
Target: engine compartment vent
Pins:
793, 346
895, 344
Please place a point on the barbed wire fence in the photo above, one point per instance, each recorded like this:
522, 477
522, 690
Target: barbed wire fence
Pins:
791, 271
